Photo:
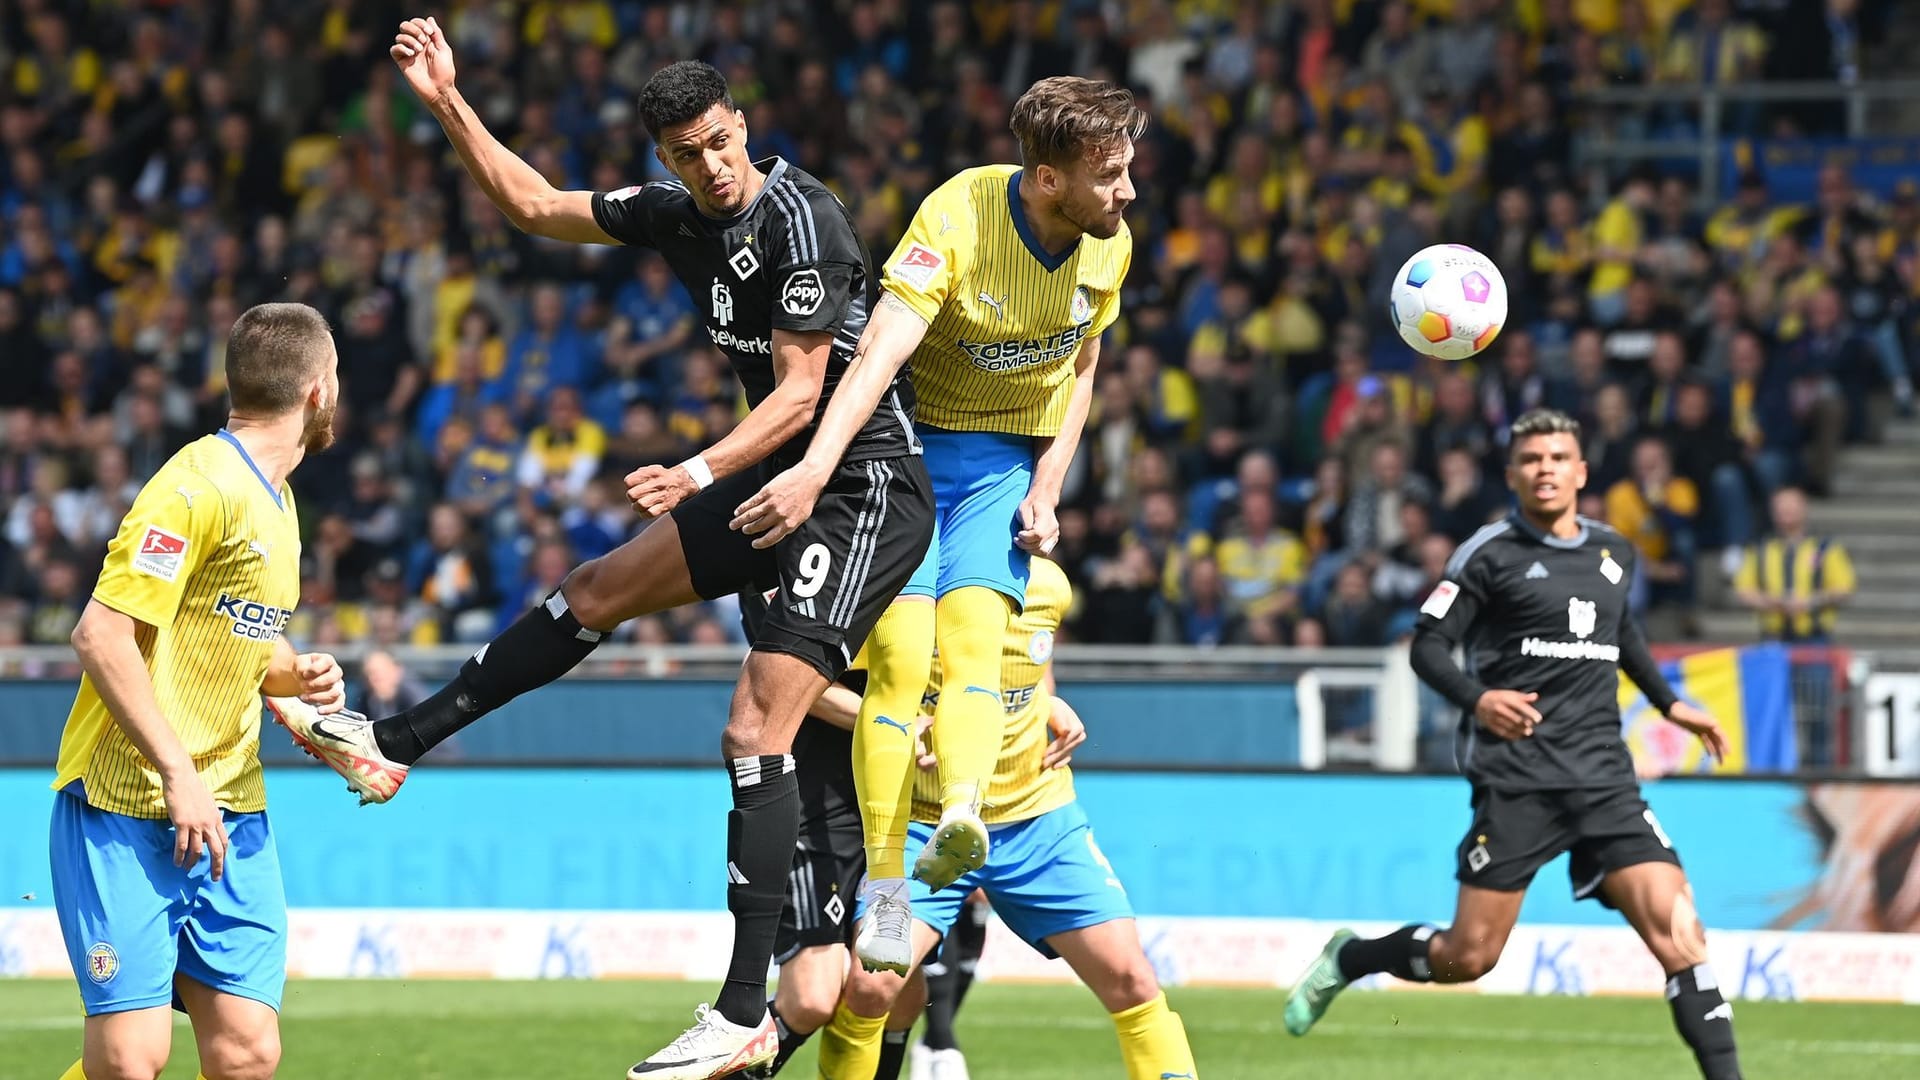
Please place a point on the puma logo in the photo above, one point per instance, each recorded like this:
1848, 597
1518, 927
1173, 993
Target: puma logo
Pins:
187, 495
998, 306
946, 225
891, 722
994, 694
260, 549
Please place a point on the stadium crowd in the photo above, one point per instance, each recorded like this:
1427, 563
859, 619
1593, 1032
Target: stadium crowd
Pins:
1266, 462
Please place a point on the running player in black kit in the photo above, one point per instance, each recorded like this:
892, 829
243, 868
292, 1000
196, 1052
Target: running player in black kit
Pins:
1539, 603
785, 283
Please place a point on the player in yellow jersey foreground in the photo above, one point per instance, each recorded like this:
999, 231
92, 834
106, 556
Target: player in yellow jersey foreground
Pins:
998, 294
165, 874
1046, 877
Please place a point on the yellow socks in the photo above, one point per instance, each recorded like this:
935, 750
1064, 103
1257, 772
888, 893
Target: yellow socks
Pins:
74, 1073
899, 654
850, 1045
972, 627
1153, 1042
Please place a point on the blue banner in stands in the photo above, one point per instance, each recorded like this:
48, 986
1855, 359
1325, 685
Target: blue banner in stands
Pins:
1792, 166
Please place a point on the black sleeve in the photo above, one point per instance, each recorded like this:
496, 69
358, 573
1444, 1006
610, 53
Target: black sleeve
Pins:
627, 214
1446, 617
816, 262
1636, 660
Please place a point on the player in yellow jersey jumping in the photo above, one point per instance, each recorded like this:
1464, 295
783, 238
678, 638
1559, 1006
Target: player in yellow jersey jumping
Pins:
998, 294
1046, 877
165, 873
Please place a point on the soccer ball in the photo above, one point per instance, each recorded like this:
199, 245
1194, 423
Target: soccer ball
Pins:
1448, 301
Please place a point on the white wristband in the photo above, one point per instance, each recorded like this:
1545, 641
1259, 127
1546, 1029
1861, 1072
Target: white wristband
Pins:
696, 467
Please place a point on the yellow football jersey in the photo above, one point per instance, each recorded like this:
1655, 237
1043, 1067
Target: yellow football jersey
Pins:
1020, 788
1005, 320
208, 559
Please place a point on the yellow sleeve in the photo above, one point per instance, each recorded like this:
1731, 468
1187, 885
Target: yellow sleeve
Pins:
1293, 562
174, 523
1683, 498
936, 250
1615, 228
1839, 570
1110, 306
1623, 508
1748, 576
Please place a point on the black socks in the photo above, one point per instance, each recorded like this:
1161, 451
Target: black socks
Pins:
760, 835
1402, 953
541, 645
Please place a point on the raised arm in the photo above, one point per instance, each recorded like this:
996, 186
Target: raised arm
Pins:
517, 188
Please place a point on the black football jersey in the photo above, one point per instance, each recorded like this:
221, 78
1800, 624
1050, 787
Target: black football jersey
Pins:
1549, 615
790, 260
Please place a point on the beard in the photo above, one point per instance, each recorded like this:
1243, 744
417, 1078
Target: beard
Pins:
317, 435
1093, 222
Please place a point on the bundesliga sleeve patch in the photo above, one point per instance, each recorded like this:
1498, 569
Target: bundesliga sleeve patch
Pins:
160, 553
918, 265
1440, 601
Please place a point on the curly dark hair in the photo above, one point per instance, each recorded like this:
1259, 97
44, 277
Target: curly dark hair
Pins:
681, 92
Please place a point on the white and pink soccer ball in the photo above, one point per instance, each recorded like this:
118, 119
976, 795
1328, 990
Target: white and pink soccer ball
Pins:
1448, 301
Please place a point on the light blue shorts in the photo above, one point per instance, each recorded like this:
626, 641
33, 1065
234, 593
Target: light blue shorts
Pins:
979, 481
132, 919
1044, 876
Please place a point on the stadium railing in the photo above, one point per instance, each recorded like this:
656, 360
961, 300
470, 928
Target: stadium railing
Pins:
1870, 107
1854, 711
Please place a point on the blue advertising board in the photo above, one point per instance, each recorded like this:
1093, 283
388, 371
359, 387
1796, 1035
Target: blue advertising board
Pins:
1307, 846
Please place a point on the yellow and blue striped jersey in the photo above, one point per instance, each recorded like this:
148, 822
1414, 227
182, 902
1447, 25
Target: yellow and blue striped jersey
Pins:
207, 562
1020, 788
1005, 319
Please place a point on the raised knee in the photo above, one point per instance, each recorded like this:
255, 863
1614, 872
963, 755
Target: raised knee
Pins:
241, 1057
872, 993
589, 603
125, 1063
1127, 984
1474, 962
811, 1008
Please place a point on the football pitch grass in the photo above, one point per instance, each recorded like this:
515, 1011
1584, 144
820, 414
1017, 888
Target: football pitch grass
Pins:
538, 1030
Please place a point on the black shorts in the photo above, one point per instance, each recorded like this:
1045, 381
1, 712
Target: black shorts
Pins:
1515, 833
829, 861
837, 572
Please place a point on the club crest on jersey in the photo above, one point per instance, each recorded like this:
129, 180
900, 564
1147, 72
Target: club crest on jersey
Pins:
102, 963
744, 263
1081, 309
252, 619
160, 553
803, 293
918, 265
1040, 646
1580, 617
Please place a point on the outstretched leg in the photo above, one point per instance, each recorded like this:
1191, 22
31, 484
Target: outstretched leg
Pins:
1465, 951
1658, 902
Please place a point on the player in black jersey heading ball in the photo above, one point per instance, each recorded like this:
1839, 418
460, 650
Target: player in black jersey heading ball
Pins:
1538, 602
785, 281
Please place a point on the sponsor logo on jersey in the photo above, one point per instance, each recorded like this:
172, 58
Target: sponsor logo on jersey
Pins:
722, 298
918, 265
997, 356
252, 619
160, 553
1569, 650
732, 342
803, 293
